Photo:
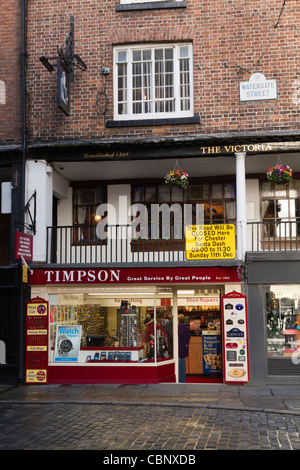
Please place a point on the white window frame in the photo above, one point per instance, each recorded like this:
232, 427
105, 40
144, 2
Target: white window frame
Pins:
177, 113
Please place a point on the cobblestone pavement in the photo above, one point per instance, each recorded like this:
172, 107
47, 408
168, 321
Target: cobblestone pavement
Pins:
117, 427
114, 418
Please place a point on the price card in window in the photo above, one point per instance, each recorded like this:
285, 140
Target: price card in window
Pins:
235, 338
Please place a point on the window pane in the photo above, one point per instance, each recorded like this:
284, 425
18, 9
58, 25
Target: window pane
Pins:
281, 307
280, 190
268, 209
150, 194
294, 188
184, 51
86, 196
177, 194
217, 210
267, 189
282, 208
198, 192
217, 191
164, 194
138, 194
230, 210
229, 190
122, 56
136, 55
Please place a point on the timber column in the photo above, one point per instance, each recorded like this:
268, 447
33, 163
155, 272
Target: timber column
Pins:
241, 208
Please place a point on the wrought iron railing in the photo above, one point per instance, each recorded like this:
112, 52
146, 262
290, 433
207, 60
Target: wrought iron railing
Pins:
116, 243
119, 244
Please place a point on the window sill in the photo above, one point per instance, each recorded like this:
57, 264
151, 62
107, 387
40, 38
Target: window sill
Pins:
151, 6
153, 122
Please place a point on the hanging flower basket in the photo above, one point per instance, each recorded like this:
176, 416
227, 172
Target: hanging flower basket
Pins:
177, 177
280, 174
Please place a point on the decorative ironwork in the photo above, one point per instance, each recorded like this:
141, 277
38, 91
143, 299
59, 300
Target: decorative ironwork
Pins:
65, 62
30, 226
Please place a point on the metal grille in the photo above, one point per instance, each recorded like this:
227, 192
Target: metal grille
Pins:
282, 366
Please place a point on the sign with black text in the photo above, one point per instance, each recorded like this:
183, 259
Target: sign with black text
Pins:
235, 338
215, 241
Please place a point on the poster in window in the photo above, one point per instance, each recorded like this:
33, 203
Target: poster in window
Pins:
67, 344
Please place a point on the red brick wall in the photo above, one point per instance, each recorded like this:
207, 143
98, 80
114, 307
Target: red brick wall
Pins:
228, 39
10, 83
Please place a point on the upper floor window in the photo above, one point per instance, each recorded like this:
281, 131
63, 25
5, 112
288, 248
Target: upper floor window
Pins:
280, 207
85, 203
216, 201
153, 81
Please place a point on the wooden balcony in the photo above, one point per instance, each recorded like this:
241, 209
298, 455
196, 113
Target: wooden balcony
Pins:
273, 236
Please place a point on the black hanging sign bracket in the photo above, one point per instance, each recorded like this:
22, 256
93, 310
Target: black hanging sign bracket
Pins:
65, 63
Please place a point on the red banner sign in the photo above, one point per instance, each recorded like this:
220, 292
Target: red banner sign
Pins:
181, 275
23, 245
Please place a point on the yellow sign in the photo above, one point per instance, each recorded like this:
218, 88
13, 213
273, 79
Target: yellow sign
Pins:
37, 332
210, 241
36, 376
24, 273
36, 348
36, 309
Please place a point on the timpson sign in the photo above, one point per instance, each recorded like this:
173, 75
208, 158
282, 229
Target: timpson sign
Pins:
133, 276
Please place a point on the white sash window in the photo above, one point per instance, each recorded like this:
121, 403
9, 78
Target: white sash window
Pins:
153, 81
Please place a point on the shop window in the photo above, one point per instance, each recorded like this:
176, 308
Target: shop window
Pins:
213, 201
283, 318
280, 209
85, 203
153, 82
112, 329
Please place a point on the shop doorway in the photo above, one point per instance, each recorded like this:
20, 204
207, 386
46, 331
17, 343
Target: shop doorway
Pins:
202, 314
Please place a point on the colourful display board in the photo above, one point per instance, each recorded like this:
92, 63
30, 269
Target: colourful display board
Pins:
235, 338
36, 358
211, 345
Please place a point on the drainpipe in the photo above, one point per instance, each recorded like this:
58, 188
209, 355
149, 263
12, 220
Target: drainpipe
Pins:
23, 103
22, 313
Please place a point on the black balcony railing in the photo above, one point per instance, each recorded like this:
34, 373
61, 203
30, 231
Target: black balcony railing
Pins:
116, 243
119, 243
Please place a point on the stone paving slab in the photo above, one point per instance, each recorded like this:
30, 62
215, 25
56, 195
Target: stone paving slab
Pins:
271, 397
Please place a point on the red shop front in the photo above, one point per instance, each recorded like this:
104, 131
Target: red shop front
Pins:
100, 319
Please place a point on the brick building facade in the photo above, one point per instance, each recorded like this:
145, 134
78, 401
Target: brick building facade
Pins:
230, 42
10, 74
120, 92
